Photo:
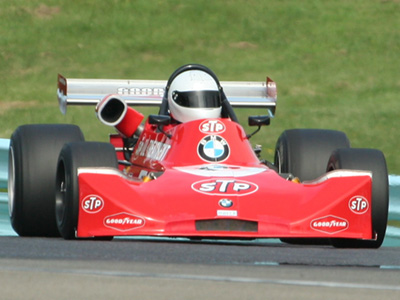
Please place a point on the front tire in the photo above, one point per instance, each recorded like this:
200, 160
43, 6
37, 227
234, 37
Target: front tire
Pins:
370, 160
303, 153
33, 155
72, 157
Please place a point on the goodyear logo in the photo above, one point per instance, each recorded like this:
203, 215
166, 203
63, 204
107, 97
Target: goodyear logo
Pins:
330, 224
123, 222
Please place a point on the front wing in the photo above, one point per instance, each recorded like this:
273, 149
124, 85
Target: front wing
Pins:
262, 205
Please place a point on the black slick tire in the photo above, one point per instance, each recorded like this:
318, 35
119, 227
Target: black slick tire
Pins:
371, 160
305, 152
72, 157
33, 156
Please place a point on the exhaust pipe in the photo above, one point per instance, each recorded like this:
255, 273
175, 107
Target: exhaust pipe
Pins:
113, 111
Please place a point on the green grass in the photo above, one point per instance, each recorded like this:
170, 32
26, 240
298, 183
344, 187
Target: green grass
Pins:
336, 63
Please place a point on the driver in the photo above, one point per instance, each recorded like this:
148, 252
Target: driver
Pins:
193, 95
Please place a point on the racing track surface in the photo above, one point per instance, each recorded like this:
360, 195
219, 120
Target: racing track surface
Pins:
39, 268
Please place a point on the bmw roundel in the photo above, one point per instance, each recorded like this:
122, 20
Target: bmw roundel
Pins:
213, 148
225, 203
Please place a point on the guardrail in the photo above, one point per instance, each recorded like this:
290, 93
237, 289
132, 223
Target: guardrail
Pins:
4, 145
394, 197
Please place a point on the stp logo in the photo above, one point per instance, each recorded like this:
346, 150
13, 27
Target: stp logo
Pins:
358, 205
329, 224
92, 204
123, 222
212, 126
225, 187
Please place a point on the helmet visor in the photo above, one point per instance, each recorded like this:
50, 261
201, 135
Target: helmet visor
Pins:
197, 99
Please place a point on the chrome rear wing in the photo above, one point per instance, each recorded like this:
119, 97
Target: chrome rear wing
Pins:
72, 91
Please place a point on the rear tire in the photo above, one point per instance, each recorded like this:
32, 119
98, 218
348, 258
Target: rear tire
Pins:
370, 160
33, 155
72, 157
303, 153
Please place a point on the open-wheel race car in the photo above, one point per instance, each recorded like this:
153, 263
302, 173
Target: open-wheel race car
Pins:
190, 170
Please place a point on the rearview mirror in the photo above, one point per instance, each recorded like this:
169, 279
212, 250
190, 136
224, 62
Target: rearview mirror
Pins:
259, 120
159, 120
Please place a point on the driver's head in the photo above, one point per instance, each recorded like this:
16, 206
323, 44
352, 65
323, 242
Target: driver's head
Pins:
192, 95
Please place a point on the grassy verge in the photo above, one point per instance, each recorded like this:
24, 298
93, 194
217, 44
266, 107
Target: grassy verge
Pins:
336, 63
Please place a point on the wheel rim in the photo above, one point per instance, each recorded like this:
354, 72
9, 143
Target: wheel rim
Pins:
61, 189
278, 161
11, 183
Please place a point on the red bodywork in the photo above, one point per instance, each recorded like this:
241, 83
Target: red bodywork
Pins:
209, 183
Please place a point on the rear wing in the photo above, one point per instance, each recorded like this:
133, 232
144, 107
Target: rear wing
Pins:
73, 91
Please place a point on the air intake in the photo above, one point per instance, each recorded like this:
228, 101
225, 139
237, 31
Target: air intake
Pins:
226, 225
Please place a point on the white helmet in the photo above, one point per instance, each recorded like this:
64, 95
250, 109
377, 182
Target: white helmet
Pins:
193, 95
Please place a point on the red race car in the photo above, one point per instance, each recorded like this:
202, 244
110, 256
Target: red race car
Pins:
190, 170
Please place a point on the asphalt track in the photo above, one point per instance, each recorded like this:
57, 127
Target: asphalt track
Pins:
43, 268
